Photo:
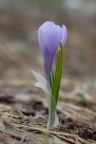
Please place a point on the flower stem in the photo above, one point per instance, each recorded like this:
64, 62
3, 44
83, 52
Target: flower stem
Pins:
53, 118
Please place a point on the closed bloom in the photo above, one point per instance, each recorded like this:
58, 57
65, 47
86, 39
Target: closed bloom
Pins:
49, 37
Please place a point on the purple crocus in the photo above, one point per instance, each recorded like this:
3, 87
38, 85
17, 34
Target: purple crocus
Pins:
49, 37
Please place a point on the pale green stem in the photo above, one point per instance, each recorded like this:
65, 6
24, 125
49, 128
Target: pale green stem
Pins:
53, 118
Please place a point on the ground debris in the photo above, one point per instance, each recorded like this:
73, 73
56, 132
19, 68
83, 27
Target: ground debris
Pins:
24, 128
24, 122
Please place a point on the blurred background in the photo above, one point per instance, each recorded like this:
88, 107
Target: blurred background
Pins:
19, 49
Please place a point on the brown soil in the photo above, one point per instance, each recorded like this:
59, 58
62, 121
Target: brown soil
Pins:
24, 122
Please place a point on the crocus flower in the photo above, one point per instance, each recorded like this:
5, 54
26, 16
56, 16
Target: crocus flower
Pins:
49, 37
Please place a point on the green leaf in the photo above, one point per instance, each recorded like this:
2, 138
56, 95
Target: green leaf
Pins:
51, 79
57, 79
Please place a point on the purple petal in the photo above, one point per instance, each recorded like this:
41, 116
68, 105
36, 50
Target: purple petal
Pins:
49, 36
64, 34
42, 33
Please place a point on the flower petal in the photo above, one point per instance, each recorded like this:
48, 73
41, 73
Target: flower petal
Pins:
49, 37
42, 33
64, 34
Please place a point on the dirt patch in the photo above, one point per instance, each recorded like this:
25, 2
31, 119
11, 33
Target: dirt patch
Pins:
24, 115
19, 119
